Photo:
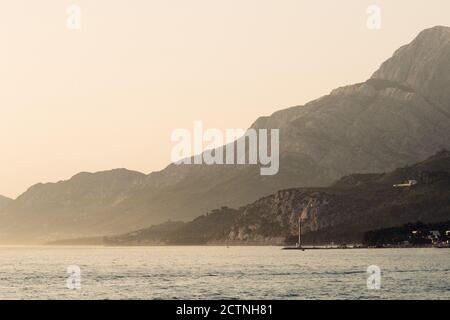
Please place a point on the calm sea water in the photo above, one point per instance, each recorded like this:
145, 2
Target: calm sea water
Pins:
222, 273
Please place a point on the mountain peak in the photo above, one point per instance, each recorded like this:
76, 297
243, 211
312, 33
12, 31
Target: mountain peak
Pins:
111, 173
430, 42
424, 65
436, 31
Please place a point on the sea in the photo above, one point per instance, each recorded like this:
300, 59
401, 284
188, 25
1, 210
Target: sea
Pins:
209, 272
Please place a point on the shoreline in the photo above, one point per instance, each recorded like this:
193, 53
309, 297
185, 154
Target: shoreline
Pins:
281, 247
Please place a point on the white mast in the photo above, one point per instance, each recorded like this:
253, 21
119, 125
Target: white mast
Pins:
300, 231
305, 211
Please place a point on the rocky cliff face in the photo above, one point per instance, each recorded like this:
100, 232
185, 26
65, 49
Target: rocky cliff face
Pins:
351, 206
275, 218
341, 213
398, 117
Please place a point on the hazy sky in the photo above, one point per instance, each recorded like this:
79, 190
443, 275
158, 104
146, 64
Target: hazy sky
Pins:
110, 94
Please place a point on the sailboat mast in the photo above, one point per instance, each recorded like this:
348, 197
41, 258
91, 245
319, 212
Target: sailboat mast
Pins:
300, 230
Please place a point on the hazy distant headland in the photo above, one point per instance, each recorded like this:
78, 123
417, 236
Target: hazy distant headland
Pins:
396, 119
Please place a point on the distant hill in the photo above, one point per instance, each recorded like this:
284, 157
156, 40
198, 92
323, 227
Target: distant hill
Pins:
208, 228
341, 213
400, 116
71, 208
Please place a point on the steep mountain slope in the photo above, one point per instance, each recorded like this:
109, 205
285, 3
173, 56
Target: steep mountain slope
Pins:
382, 124
4, 201
423, 65
341, 213
398, 117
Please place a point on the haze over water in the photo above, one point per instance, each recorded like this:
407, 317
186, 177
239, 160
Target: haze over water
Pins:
222, 273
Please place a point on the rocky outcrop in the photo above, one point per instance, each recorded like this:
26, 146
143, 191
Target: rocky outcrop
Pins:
341, 213
352, 206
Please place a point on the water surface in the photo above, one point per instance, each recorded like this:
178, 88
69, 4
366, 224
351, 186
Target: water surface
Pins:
222, 273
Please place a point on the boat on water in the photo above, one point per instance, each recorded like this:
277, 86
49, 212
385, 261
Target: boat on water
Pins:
299, 244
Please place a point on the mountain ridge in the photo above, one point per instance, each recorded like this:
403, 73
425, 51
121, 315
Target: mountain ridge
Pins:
399, 116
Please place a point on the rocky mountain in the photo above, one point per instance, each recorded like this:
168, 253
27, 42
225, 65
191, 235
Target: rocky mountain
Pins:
341, 213
376, 126
399, 116
4, 201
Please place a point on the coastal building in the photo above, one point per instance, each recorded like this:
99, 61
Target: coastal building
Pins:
434, 234
406, 184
